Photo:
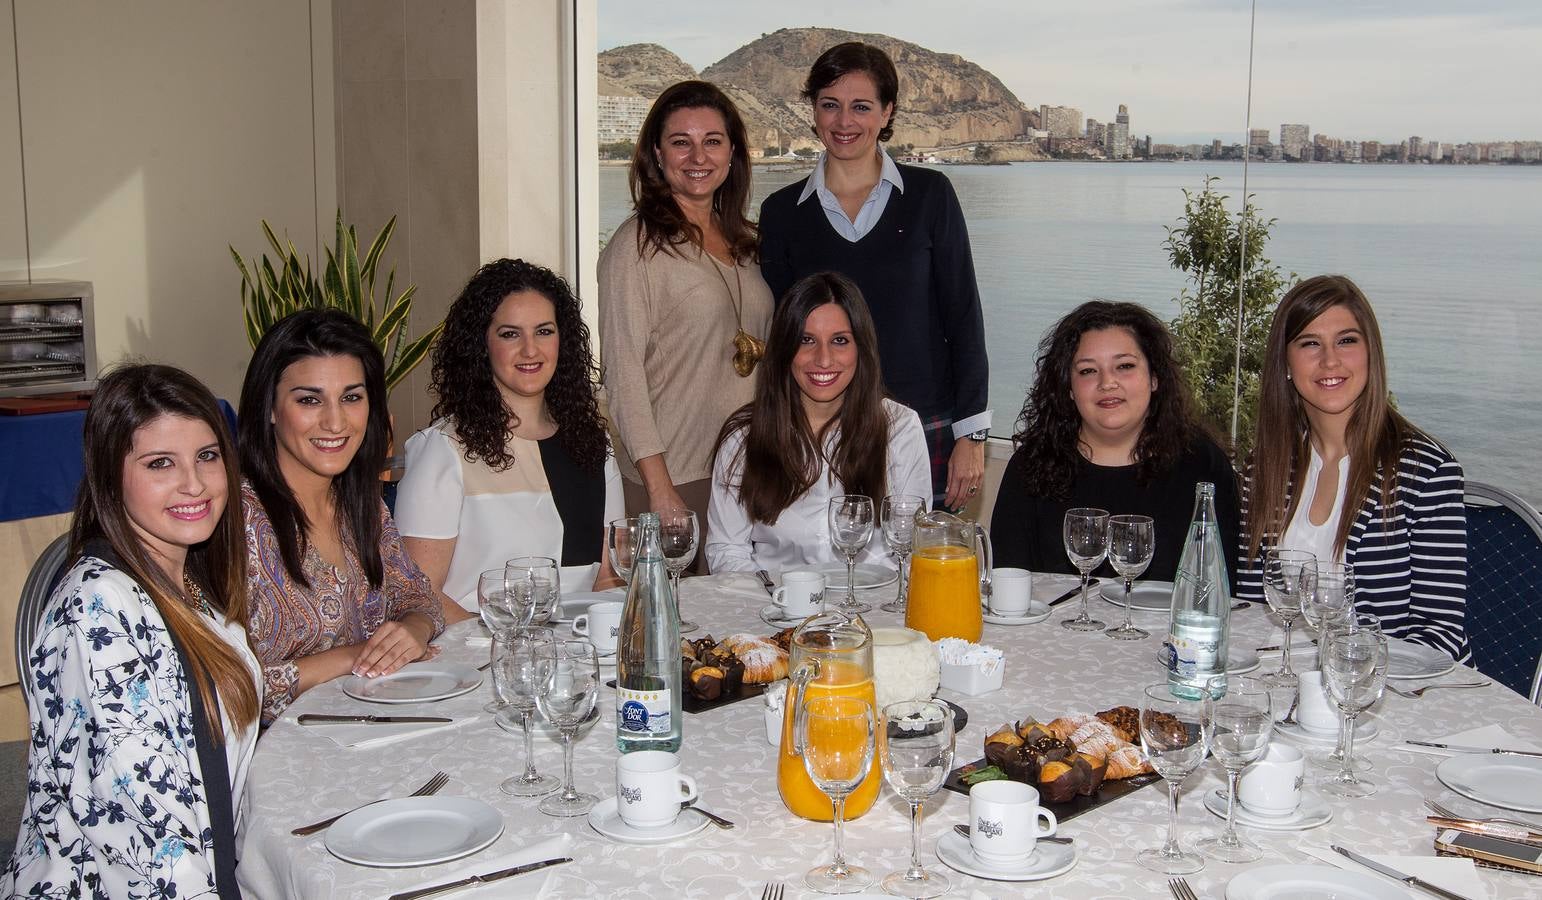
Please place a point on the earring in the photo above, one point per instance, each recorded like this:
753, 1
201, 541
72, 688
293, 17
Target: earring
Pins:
1287, 377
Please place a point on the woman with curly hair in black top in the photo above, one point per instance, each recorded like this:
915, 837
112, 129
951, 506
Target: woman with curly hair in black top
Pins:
1108, 424
517, 461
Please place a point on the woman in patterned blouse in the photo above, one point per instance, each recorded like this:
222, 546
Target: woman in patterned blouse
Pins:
332, 590
142, 689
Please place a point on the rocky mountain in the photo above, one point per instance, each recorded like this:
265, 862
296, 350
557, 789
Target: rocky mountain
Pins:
640, 70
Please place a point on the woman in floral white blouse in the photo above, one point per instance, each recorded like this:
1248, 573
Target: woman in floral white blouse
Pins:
142, 689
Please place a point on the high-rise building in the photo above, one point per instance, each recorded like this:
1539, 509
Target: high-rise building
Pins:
1370, 151
1258, 137
1095, 132
1294, 140
1117, 144
1060, 121
621, 118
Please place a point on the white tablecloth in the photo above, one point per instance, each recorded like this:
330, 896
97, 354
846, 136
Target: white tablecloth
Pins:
299, 776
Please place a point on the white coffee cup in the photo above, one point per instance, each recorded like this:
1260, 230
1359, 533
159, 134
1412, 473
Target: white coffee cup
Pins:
801, 595
650, 788
601, 624
1004, 822
1011, 592
1272, 786
1315, 711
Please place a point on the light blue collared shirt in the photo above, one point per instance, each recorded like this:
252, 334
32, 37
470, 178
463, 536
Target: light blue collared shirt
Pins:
872, 208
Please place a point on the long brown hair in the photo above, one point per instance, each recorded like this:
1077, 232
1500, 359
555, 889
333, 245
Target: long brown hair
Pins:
1375, 436
781, 454
126, 400
663, 226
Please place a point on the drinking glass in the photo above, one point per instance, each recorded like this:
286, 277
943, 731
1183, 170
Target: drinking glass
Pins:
1355, 669
1243, 720
521, 667
1332, 598
851, 527
568, 697
917, 752
837, 734
1175, 734
621, 539
1131, 542
536, 580
502, 612
1086, 543
898, 516
1334, 762
678, 535
1290, 577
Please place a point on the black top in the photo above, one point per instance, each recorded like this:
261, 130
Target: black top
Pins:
580, 498
916, 273
1026, 531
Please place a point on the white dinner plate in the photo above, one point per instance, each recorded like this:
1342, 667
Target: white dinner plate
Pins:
604, 819
866, 575
508, 720
1312, 812
1147, 596
1037, 612
1240, 660
1047, 861
1409, 660
416, 682
1290, 882
414, 831
1509, 782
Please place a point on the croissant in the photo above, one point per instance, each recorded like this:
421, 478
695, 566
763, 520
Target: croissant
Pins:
1127, 762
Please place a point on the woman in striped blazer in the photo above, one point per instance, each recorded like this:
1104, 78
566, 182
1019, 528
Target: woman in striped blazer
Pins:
1337, 471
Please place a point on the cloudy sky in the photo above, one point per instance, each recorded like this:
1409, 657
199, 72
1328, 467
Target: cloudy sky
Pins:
1451, 70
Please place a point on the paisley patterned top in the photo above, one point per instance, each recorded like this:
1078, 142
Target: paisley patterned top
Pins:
290, 620
116, 803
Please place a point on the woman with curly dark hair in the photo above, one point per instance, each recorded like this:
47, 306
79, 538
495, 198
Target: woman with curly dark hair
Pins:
1108, 424
517, 461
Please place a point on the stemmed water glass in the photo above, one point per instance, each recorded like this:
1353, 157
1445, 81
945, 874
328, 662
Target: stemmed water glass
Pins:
1131, 543
1332, 598
679, 535
1243, 721
1290, 578
1334, 762
537, 581
572, 684
1175, 734
502, 612
1354, 662
1086, 543
621, 539
837, 735
851, 527
917, 752
898, 516
521, 668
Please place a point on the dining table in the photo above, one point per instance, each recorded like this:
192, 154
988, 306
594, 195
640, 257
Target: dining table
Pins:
299, 775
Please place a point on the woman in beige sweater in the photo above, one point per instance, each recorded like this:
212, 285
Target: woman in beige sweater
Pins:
683, 308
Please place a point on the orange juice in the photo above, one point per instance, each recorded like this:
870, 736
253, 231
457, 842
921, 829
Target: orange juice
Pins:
944, 593
798, 791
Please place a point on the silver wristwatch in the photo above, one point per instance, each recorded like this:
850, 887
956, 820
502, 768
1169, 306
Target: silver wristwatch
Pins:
980, 435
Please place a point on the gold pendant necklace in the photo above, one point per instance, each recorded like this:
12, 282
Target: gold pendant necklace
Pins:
748, 349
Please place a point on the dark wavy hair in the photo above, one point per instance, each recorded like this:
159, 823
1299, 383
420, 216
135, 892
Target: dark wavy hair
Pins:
782, 456
302, 335
855, 56
127, 399
663, 226
1049, 427
463, 376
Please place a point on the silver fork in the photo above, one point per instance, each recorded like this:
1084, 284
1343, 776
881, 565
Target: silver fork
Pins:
1448, 813
429, 788
1416, 693
773, 891
1180, 889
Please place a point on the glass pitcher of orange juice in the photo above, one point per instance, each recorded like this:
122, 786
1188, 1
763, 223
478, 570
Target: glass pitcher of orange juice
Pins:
950, 557
831, 655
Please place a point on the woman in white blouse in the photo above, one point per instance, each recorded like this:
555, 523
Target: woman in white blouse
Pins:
517, 461
818, 426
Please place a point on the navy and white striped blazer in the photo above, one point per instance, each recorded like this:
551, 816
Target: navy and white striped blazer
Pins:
1410, 557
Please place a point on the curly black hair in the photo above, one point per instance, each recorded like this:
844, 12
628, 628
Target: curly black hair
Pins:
462, 378
1049, 427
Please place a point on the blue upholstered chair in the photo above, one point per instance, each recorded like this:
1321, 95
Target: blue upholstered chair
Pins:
1504, 588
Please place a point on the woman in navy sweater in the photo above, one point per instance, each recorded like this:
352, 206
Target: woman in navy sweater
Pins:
898, 232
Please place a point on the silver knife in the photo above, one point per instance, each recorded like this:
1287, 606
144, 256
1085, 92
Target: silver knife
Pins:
320, 718
1409, 880
765, 579
1458, 748
1073, 592
489, 878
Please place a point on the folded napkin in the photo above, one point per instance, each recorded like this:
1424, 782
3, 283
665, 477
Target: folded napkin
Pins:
1486, 737
536, 884
359, 735
1453, 873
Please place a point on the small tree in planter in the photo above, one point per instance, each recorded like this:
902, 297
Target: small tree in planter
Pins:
1207, 247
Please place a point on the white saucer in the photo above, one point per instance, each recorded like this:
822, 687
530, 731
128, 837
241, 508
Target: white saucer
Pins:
1364, 731
772, 615
607, 821
1047, 861
1312, 812
414, 831
417, 682
1037, 612
579, 602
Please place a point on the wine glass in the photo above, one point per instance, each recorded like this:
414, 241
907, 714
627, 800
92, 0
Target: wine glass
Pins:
1242, 722
536, 580
1290, 577
851, 527
521, 667
621, 542
837, 735
1086, 543
1332, 598
917, 752
1175, 734
898, 517
679, 534
1355, 670
1335, 761
1131, 543
502, 612
568, 697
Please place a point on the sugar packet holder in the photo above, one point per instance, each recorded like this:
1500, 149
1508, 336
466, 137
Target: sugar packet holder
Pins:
969, 668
